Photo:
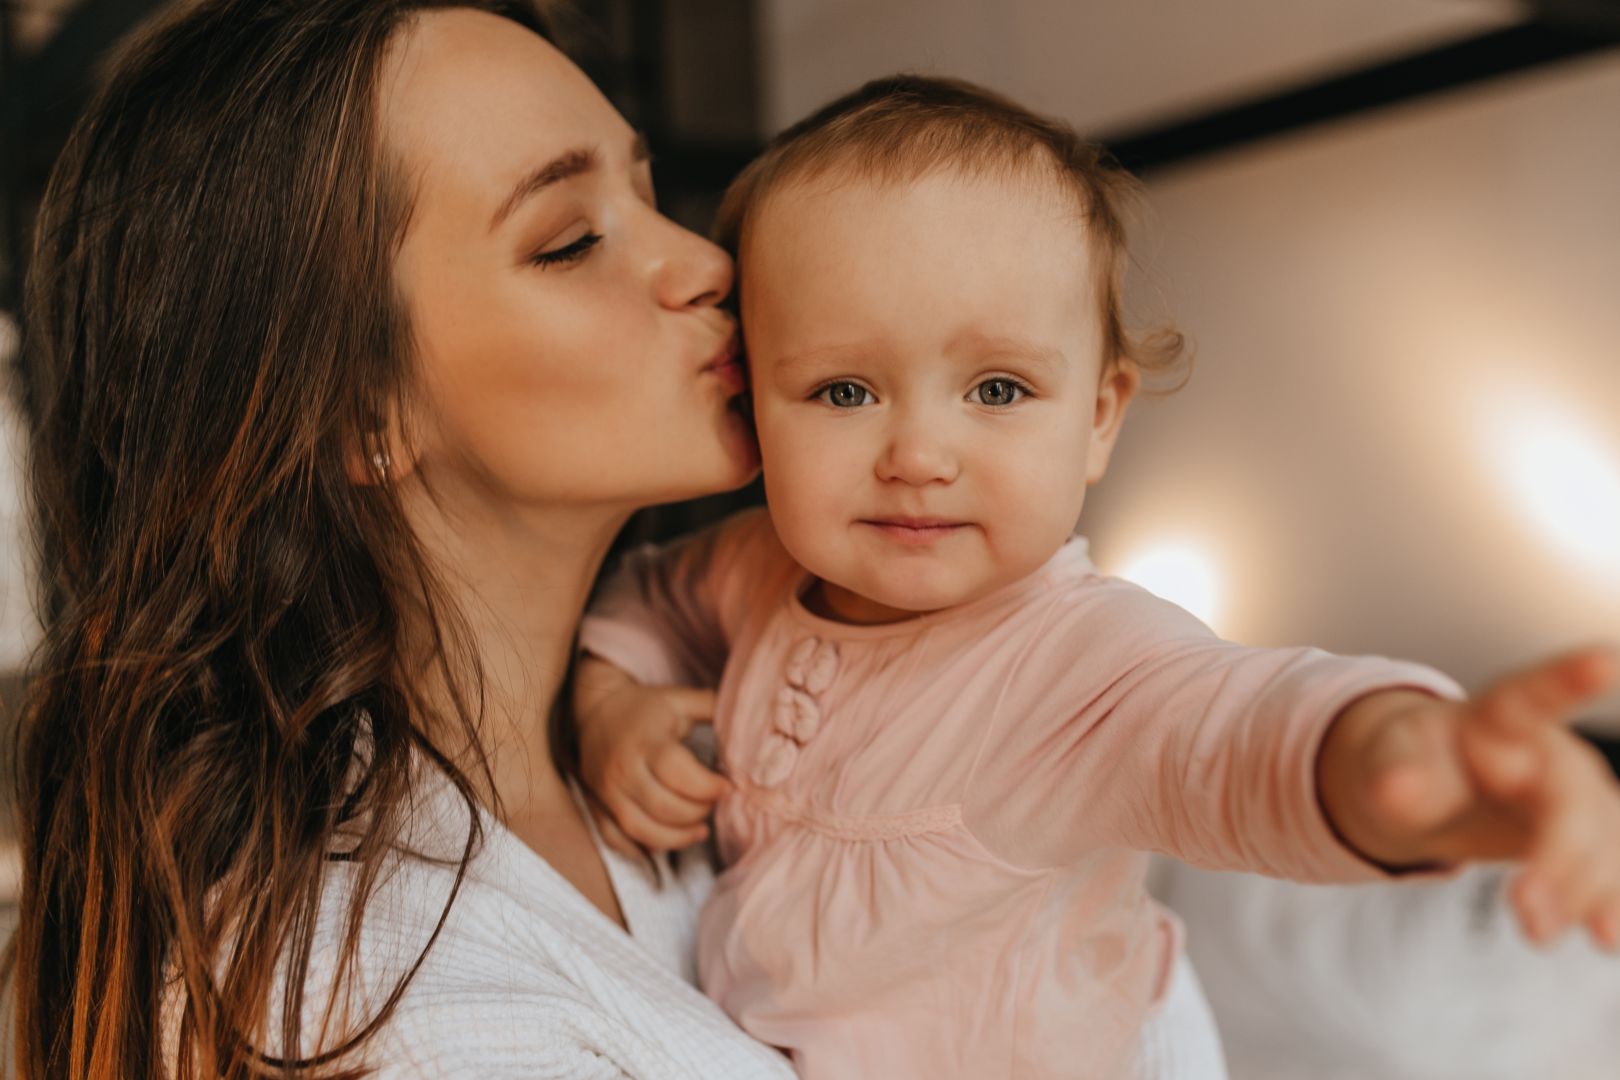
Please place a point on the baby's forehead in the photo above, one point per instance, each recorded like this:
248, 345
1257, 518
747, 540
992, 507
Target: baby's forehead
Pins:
843, 220
1033, 183
835, 231
897, 263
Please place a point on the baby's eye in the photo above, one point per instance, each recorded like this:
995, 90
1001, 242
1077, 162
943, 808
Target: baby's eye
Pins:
844, 395
998, 392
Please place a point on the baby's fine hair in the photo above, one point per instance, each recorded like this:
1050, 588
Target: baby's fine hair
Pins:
902, 127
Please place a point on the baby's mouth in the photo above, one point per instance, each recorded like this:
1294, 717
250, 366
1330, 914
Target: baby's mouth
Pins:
915, 530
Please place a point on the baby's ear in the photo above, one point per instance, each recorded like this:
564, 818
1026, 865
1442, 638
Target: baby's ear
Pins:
1119, 383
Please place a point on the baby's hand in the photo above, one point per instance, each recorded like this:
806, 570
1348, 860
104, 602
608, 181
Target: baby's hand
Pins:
632, 758
1409, 780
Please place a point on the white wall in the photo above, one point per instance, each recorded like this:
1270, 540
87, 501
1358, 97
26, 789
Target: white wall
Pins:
1103, 64
1391, 312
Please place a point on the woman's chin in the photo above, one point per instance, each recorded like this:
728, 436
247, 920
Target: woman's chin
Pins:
732, 464
692, 463
741, 444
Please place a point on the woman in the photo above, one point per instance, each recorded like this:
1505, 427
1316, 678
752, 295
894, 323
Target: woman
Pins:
355, 338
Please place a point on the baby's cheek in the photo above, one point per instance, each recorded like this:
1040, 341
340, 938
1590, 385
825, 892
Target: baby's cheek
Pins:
1035, 515
807, 513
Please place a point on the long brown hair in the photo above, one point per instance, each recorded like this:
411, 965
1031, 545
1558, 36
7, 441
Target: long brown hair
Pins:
217, 709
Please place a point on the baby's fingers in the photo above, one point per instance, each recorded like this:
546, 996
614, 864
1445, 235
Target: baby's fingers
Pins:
1550, 900
655, 835
675, 766
1573, 873
613, 836
694, 704
661, 802
1548, 692
1604, 925
1555, 890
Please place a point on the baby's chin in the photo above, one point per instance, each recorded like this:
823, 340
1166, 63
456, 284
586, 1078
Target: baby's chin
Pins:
878, 600
867, 585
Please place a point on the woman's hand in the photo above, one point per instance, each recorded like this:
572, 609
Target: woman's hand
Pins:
654, 790
1411, 781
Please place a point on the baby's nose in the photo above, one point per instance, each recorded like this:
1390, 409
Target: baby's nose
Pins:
917, 455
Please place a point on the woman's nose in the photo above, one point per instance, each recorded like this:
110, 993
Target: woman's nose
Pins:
690, 271
918, 453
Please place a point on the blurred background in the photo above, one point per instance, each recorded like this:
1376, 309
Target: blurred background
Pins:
1391, 227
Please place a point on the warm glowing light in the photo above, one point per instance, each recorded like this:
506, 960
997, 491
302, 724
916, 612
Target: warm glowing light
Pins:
1567, 480
1183, 574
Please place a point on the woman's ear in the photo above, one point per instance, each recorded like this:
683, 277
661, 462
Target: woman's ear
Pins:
1120, 381
378, 457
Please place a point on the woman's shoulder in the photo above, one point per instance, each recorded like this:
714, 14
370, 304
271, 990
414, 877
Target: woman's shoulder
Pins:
516, 974
748, 538
469, 1027
496, 914
750, 568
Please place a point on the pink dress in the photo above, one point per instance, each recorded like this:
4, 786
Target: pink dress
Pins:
934, 853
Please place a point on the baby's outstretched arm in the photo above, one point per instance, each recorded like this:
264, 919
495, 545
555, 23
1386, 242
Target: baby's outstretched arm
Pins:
1408, 779
635, 762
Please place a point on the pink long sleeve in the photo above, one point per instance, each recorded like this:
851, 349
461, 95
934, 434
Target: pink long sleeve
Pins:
1129, 724
670, 613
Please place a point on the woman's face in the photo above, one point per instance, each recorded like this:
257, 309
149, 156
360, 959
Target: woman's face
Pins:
570, 347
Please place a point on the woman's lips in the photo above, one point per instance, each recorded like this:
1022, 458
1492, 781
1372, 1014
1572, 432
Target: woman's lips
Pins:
728, 368
915, 532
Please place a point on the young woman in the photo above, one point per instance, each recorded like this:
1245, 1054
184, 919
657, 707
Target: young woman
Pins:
354, 337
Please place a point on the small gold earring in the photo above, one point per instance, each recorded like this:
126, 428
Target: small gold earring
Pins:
380, 462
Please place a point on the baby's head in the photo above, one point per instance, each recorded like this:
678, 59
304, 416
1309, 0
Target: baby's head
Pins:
930, 290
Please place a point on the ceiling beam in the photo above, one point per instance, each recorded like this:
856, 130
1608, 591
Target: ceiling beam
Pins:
1447, 67
1602, 15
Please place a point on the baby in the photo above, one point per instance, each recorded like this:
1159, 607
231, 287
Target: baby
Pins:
947, 740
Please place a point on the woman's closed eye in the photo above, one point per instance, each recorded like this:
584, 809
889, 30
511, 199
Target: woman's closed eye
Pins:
999, 392
571, 252
844, 395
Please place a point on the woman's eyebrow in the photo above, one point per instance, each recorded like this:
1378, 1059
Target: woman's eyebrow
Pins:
568, 164
565, 166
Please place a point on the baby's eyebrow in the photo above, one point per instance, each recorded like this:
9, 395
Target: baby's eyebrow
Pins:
965, 347
976, 345
817, 357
